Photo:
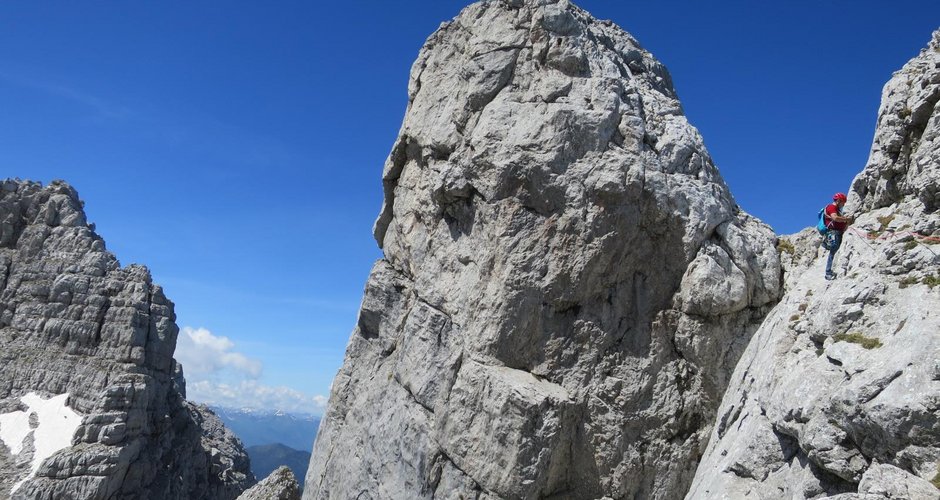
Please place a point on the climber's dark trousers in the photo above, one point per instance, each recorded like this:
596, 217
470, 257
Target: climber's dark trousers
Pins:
835, 241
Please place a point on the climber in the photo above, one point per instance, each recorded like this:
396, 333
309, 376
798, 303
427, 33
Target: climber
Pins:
836, 224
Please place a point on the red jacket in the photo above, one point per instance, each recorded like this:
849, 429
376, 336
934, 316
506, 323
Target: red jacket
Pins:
832, 209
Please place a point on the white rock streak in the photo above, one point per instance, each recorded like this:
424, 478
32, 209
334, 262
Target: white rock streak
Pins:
57, 424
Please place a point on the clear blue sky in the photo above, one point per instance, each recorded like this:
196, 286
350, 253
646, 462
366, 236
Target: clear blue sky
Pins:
236, 148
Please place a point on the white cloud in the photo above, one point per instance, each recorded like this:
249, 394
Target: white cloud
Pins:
217, 374
251, 394
201, 353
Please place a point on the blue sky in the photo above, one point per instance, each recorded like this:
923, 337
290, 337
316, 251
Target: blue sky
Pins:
236, 148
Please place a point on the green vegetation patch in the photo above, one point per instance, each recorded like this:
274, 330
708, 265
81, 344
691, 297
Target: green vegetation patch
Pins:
795, 317
931, 281
910, 245
936, 479
785, 246
906, 282
857, 338
885, 222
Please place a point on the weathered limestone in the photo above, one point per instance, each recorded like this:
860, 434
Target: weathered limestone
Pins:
838, 392
567, 282
279, 485
73, 321
904, 154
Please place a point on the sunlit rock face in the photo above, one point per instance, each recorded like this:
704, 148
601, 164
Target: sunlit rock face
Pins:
839, 391
903, 164
75, 326
567, 282
279, 485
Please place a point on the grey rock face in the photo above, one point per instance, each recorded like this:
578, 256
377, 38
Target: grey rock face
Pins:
279, 485
73, 321
888, 481
566, 285
838, 393
904, 152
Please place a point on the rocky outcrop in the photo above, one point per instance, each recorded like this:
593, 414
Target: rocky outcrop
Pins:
838, 393
903, 161
279, 485
567, 282
97, 339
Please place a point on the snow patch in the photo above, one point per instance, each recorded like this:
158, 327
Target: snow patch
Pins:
57, 425
14, 427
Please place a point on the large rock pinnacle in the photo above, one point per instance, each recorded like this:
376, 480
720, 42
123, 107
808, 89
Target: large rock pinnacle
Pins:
566, 285
91, 400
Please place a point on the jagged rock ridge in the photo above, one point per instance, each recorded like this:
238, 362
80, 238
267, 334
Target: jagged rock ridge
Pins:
839, 391
567, 282
73, 321
279, 485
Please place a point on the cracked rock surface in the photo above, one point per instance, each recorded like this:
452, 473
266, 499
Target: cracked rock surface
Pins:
279, 485
838, 393
567, 282
73, 321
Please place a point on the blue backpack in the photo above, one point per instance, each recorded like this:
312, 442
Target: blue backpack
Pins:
821, 225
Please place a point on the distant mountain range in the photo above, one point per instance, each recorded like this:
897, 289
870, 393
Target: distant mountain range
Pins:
267, 457
260, 427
